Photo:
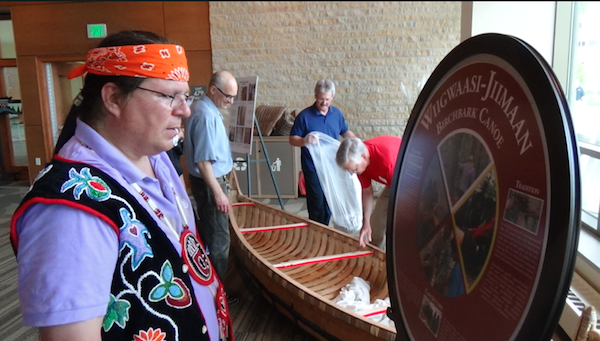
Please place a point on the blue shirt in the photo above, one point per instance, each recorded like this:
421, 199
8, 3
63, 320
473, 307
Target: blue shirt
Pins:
310, 119
66, 256
206, 139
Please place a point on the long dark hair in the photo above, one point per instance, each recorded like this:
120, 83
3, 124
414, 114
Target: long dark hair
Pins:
88, 104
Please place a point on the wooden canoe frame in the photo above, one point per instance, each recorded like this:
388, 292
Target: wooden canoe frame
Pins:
312, 310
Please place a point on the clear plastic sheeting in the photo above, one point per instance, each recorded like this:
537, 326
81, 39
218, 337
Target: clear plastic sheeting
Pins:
342, 190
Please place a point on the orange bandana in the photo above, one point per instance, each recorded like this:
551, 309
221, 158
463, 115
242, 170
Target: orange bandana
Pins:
146, 61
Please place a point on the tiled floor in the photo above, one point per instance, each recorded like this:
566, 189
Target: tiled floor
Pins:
11, 324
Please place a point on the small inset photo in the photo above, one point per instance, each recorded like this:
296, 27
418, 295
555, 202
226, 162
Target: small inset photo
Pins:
523, 210
430, 315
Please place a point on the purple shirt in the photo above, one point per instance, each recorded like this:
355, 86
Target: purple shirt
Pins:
66, 257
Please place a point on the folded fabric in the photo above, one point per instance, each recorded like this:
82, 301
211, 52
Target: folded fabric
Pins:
382, 318
356, 296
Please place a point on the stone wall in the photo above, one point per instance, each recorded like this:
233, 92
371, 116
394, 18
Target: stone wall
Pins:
378, 53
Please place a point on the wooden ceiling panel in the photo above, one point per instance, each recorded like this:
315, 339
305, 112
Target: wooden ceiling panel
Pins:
61, 28
187, 24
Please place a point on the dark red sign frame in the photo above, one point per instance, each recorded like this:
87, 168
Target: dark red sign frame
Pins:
484, 213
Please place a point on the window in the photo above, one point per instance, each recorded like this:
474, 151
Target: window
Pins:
583, 91
7, 40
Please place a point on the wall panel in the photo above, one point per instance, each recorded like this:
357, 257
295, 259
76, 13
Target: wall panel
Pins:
187, 24
200, 64
30, 98
58, 29
35, 141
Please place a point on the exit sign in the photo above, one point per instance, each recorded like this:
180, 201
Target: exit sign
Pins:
96, 30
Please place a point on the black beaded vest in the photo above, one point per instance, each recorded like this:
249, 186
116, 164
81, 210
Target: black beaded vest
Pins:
151, 297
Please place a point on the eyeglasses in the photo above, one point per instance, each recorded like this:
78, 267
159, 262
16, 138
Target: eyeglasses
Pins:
227, 97
352, 169
324, 100
176, 100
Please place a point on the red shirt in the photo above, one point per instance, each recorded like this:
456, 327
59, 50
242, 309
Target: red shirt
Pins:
383, 151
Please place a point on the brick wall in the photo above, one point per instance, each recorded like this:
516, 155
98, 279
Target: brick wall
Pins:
370, 49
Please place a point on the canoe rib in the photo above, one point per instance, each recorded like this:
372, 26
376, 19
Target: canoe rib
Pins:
273, 228
301, 266
322, 259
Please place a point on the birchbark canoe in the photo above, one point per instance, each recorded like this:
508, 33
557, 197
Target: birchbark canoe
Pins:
300, 267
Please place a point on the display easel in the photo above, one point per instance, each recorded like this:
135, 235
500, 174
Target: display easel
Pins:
267, 160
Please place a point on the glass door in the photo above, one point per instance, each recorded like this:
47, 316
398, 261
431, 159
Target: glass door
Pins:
13, 109
60, 93
13, 156
13, 152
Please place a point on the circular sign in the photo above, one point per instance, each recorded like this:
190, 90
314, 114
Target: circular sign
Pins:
484, 207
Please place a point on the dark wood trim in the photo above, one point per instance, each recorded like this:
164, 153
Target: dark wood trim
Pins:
8, 62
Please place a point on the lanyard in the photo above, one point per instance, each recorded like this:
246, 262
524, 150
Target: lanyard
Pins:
195, 260
159, 213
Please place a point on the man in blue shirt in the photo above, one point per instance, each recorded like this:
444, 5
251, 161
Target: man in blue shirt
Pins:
208, 160
325, 118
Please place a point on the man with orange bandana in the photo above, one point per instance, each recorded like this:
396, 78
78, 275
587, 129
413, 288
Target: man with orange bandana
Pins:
106, 240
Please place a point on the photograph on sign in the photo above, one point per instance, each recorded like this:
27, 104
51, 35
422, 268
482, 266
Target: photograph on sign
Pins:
241, 115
